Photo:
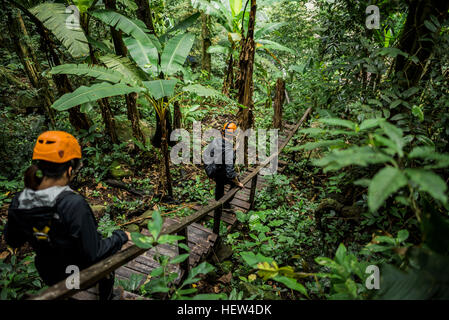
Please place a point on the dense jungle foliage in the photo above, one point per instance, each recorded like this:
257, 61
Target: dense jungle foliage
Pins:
364, 180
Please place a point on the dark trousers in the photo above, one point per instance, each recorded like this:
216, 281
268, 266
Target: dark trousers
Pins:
220, 181
106, 287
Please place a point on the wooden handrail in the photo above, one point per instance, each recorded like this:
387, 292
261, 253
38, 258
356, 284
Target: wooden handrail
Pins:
94, 273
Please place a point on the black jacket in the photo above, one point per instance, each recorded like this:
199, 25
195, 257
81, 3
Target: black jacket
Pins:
73, 235
219, 169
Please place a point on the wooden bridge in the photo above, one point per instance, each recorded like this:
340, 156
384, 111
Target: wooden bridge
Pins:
134, 260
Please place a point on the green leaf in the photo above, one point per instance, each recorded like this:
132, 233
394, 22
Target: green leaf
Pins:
157, 272
141, 240
395, 134
417, 112
266, 29
155, 225
428, 153
409, 92
321, 144
395, 103
236, 7
356, 155
340, 254
429, 182
144, 53
209, 296
402, 236
55, 18
94, 71
429, 25
268, 44
252, 260
183, 25
338, 122
169, 238
387, 181
202, 268
371, 123
125, 67
135, 28
425, 278
175, 53
93, 93
161, 88
291, 283
218, 49
180, 258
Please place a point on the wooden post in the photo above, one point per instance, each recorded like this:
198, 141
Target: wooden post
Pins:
252, 192
185, 264
217, 219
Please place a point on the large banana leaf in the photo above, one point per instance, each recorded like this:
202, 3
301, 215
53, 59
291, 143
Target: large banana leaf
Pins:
143, 53
183, 25
175, 53
56, 19
268, 44
236, 6
89, 94
134, 28
203, 91
161, 88
97, 72
259, 33
125, 66
218, 49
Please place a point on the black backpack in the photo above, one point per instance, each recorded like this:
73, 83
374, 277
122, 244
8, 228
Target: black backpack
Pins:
40, 224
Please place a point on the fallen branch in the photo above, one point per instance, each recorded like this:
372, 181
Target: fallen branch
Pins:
122, 185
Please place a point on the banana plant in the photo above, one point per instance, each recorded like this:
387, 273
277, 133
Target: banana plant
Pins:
149, 71
232, 20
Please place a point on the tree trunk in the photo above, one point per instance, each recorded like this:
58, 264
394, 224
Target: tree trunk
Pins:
177, 116
166, 155
244, 82
279, 97
410, 40
131, 99
19, 36
77, 119
228, 81
105, 108
206, 43
144, 13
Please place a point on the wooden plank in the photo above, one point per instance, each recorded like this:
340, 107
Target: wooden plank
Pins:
235, 208
225, 217
240, 203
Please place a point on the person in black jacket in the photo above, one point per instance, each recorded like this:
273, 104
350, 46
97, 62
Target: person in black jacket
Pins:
57, 222
220, 167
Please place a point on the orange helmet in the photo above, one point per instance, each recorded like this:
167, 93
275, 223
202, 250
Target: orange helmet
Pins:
229, 128
56, 146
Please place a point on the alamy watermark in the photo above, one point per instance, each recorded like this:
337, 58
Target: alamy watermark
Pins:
73, 280
373, 18
373, 280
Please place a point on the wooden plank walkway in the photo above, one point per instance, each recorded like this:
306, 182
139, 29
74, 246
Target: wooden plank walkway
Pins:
200, 240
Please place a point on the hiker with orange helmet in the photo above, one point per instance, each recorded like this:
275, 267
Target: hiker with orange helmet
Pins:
220, 166
57, 222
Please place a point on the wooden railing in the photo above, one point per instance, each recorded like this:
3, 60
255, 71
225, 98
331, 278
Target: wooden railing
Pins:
94, 273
